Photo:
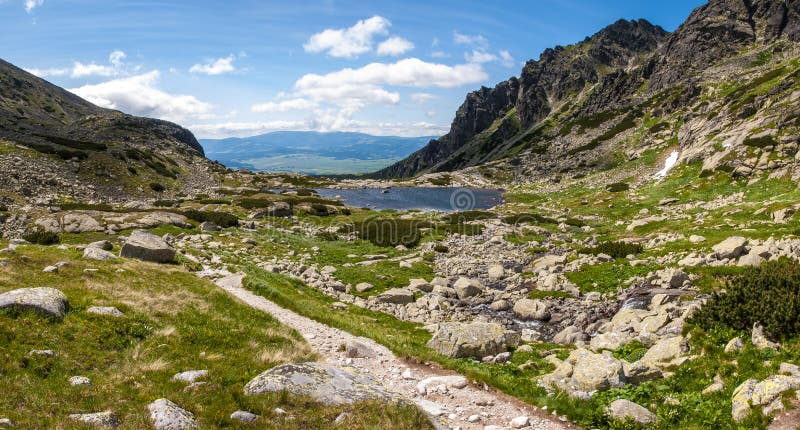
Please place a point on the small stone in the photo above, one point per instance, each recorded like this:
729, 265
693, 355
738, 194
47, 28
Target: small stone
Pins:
190, 376
279, 411
341, 417
474, 418
520, 422
622, 410
244, 416
105, 310
6, 422
734, 345
50, 269
105, 419
99, 254
42, 352
759, 340
363, 287
79, 380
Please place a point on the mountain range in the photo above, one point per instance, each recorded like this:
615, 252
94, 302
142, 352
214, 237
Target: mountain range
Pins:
312, 152
725, 81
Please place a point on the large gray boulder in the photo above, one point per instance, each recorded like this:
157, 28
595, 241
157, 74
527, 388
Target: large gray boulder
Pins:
623, 410
166, 415
94, 253
324, 383
731, 247
47, 301
478, 340
146, 246
531, 310
466, 287
398, 296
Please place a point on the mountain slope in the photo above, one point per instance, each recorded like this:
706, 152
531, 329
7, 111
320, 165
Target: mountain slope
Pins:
57, 144
304, 151
721, 89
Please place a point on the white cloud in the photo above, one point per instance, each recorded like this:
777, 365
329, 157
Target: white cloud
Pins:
216, 67
394, 46
284, 106
409, 72
479, 57
422, 97
139, 95
439, 54
475, 40
44, 73
348, 42
507, 59
80, 70
30, 5
116, 57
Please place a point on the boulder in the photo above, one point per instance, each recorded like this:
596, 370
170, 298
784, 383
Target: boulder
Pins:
166, 415
731, 247
592, 372
752, 393
79, 380
548, 262
102, 244
358, 349
244, 416
47, 301
420, 284
208, 226
93, 253
278, 209
477, 339
398, 296
531, 310
105, 419
734, 345
324, 383
363, 287
569, 336
467, 287
623, 410
666, 352
496, 271
145, 246
452, 381
190, 376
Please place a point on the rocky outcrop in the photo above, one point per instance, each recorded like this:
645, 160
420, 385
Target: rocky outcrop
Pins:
324, 383
472, 340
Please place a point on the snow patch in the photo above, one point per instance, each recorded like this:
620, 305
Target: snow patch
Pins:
672, 160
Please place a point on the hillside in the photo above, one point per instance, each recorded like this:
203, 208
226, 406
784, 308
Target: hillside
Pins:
56, 145
719, 88
312, 152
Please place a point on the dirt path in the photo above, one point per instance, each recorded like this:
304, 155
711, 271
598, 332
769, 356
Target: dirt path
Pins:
457, 408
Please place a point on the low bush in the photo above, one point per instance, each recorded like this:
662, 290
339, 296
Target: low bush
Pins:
618, 187
575, 222
328, 236
528, 218
441, 248
78, 206
769, 294
614, 249
41, 237
155, 186
467, 216
165, 203
388, 232
222, 219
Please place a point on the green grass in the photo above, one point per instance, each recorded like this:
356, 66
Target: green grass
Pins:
605, 277
173, 322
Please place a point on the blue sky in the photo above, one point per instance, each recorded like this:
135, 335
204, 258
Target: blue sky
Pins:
240, 68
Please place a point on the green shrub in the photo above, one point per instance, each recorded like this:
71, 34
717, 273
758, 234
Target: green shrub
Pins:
388, 232
165, 203
222, 219
441, 248
133, 170
528, 218
575, 222
618, 187
614, 249
769, 294
305, 192
3, 208
760, 142
254, 203
155, 186
41, 237
467, 216
207, 201
328, 236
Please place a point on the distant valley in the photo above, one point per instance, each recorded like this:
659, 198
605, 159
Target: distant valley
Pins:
313, 153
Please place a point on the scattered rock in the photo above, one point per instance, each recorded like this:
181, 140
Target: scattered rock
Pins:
666, 352
356, 349
467, 287
45, 300
396, 296
143, 245
734, 345
208, 226
50, 269
244, 416
363, 287
99, 254
105, 310
166, 415
760, 341
79, 380
190, 376
496, 271
531, 309
731, 247
451, 381
519, 422
105, 419
102, 244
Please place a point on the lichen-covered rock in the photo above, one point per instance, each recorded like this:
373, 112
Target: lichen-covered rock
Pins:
398, 296
166, 415
45, 300
110, 311
324, 383
106, 419
666, 352
190, 375
531, 310
79, 380
623, 410
760, 340
93, 253
478, 340
244, 416
752, 393
466, 287
731, 247
143, 245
